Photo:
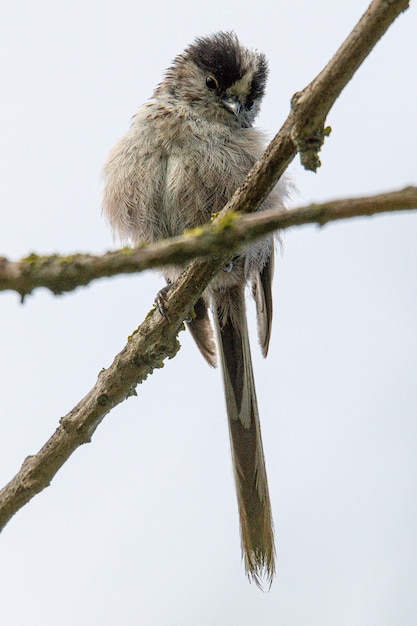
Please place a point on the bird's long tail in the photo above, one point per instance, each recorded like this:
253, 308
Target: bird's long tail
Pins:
256, 526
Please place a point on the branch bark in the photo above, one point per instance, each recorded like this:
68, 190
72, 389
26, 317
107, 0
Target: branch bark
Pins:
156, 339
60, 274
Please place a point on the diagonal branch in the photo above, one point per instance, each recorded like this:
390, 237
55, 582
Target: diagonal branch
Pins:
60, 274
156, 339
313, 104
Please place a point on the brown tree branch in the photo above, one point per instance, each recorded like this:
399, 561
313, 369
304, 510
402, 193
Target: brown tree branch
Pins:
60, 274
313, 104
156, 339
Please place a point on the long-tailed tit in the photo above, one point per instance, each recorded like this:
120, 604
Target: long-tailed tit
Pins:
186, 152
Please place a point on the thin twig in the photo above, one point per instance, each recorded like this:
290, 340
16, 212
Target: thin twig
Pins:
60, 274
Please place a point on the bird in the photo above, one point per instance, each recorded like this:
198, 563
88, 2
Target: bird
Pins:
186, 152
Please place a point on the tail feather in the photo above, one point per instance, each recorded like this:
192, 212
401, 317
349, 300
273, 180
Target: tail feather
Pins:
255, 514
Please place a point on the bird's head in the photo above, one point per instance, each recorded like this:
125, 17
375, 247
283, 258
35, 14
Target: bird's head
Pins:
219, 78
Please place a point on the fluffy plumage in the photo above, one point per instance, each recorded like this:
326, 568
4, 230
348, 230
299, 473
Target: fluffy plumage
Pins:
187, 151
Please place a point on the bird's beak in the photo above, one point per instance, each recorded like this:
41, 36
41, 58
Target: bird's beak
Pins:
232, 104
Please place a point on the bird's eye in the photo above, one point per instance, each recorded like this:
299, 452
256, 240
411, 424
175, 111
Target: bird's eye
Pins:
249, 104
211, 82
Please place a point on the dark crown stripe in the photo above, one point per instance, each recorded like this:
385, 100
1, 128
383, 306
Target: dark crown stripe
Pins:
219, 54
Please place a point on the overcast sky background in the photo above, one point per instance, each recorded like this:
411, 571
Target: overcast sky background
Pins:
141, 526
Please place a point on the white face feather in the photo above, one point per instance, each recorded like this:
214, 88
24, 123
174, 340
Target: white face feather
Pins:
243, 85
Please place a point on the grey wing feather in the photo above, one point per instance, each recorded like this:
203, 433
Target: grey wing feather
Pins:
203, 333
262, 293
131, 205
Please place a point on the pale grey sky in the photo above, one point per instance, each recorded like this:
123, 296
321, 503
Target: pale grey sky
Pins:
141, 526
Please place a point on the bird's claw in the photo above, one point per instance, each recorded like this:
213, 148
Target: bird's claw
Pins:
161, 301
161, 305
